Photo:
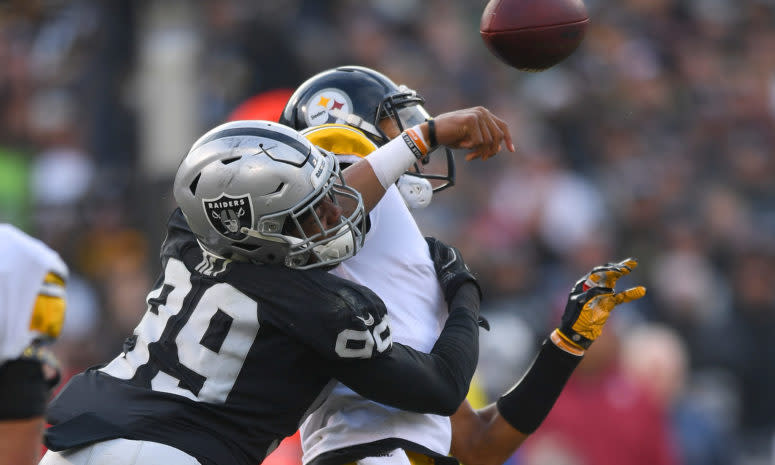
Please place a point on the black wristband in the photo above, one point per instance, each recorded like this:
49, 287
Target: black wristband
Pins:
432, 134
528, 403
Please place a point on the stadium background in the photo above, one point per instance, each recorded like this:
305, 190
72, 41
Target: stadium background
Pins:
654, 140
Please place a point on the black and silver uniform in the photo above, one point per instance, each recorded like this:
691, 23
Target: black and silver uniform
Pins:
229, 357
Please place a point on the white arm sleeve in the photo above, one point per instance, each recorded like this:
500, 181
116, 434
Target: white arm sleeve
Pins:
391, 160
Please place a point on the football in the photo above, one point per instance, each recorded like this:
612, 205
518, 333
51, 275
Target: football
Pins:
533, 35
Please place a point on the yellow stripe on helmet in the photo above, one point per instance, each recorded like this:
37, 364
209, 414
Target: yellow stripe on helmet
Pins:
48, 312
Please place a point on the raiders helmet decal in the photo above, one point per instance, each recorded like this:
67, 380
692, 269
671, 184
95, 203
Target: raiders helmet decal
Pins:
229, 215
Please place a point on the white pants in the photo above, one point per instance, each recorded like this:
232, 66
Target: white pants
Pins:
120, 452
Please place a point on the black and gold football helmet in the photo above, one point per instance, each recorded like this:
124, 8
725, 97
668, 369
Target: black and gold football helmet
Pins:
362, 97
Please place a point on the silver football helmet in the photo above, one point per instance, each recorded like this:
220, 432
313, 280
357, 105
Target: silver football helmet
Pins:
247, 188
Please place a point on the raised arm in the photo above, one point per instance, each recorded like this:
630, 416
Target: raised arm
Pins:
483, 436
475, 129
490, 435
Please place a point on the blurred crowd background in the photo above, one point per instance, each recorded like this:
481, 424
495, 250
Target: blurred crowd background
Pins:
656, 140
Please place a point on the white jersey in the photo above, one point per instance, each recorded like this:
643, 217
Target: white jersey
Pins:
395, 264
32, 295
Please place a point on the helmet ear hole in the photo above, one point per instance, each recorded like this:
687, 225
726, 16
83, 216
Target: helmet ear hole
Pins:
230, 160
194, 183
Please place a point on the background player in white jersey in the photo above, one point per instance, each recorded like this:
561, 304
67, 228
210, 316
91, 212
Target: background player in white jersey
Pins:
32, 310
394, 264
245, 328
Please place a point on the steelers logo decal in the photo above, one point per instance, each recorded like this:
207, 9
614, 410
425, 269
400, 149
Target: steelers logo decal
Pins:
325, 101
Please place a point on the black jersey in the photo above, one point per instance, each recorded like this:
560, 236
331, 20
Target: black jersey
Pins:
230, 356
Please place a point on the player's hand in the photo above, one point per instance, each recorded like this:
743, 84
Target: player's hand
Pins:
476, 129
607, 275
451, 270
591, 301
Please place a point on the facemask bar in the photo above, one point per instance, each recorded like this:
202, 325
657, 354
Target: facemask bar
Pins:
410, 114
333, 245
438, 181
303, 248
404, 99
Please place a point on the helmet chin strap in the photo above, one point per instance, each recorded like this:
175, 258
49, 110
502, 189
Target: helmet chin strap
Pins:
253, 233
416, 191
341, 246
355, 121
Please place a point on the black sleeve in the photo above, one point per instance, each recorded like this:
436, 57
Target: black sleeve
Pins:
526, 405
25, 392
427, 383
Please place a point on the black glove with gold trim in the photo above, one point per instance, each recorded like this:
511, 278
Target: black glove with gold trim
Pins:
591, 301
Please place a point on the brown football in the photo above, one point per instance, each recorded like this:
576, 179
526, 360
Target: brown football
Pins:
533, 35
